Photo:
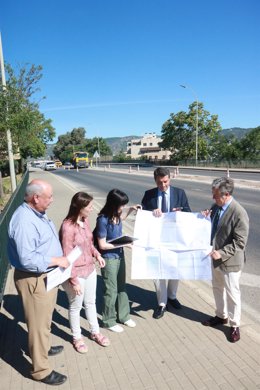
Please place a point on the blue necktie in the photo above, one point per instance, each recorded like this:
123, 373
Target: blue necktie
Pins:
215, 223
164, 207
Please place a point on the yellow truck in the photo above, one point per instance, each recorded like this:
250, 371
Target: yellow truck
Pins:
80, 160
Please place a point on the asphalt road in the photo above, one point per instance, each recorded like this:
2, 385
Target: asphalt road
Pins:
99, 182
239, 174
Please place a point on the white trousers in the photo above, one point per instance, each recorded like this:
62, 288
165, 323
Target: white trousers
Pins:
88, 299
165, 289
227, 295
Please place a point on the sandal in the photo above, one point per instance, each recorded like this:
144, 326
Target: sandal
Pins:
100, 339
80, 346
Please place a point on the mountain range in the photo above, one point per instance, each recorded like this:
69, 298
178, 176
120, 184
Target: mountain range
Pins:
117, 144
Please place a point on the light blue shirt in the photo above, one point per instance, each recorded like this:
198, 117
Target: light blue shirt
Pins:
167, 197
33, 240
224, 207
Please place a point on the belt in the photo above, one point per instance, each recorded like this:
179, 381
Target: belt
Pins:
29, 272
32, 273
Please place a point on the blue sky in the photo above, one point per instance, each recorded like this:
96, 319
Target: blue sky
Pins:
115, 67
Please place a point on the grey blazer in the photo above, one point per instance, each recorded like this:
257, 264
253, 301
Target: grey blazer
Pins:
231, 237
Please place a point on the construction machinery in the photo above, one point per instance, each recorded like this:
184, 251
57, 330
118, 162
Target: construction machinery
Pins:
80, 160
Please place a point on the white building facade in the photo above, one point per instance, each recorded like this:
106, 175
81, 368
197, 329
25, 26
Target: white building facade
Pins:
148, 148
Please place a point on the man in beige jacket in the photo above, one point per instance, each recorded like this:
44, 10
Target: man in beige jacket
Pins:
230, 228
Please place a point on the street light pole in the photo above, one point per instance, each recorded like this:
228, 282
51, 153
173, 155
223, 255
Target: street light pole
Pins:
197, 121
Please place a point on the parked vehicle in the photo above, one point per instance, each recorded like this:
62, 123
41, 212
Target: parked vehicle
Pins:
68, 165
37, 164
58, 163
49, 166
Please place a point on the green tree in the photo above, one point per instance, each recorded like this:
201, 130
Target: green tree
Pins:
120, 157
179, 133
69, 143
98, 144
20, 114
78, 136
224, 148
250, 145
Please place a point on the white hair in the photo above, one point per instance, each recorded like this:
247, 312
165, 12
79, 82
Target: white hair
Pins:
33, 189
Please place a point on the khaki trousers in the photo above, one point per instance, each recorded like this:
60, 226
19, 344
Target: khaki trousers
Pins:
227, 295
38, 305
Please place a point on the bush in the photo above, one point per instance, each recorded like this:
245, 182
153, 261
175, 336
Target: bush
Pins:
5, 169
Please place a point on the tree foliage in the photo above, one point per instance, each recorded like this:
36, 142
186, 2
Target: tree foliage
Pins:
69, 143
75, 141
20, 114
179, 133
121, 157
225, 148
99, 145
250, 145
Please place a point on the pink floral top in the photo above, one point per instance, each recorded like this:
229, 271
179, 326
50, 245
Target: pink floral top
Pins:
73, 234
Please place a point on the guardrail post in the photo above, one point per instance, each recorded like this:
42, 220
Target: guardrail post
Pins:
227, 171
130, 169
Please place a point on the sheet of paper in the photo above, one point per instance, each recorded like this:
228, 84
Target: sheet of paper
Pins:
165, 264
174, 246
175, 231
59, 275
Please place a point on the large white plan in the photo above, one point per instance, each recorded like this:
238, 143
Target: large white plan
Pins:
173, 246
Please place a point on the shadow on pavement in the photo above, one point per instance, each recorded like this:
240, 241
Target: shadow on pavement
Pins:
13, 338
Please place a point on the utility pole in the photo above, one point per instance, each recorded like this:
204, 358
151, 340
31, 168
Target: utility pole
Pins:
8, 132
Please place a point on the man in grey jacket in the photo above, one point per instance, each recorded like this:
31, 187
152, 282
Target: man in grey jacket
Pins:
230, 228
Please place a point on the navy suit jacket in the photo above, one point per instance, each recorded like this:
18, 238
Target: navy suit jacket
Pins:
178, 198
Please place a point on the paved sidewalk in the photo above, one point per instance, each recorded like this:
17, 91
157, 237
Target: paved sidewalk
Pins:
175, 352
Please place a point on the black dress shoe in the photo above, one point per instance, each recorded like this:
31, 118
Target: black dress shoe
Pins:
54, 378
174, 303
55, 350
234, 334
159, 312
214, 321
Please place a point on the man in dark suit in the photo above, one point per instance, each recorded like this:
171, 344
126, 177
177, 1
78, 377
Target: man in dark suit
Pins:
230, 228
162, 199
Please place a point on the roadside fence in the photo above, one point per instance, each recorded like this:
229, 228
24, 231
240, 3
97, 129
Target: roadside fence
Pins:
15, 201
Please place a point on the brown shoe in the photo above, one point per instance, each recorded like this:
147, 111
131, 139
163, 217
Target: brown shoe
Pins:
234, 334
214, 321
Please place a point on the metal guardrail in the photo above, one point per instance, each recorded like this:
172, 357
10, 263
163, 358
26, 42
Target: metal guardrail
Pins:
15, 201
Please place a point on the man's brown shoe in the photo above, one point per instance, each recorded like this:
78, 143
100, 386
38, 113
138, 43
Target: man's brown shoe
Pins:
214, 321
234, 334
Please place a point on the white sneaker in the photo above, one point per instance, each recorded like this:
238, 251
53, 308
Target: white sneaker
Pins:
116, 328
130, 323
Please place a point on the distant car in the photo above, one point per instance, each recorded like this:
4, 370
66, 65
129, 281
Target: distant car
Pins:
37, 164
68, 165
49, 166
58, 163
